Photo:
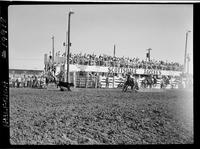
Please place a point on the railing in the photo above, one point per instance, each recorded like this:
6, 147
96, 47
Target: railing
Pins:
125, 65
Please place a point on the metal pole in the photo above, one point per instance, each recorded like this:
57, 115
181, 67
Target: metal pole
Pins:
65, 56
114, 67
69, 44
53, 48
114, 51
185, 50
188, 60
148, 56
149, 52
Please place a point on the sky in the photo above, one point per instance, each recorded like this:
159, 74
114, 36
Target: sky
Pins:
133, 28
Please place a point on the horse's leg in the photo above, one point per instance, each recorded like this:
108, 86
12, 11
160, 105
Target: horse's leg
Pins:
127, 87
123, 90
131, 87
69, 88
124, 87
135, 90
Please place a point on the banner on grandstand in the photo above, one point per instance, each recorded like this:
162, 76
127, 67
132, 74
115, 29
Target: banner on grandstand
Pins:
75, 68
134, 71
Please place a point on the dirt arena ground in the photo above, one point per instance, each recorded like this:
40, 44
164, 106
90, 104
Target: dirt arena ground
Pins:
100, 116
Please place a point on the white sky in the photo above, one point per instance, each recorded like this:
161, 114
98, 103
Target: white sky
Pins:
96, 28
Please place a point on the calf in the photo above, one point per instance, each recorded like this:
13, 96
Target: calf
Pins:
64, 84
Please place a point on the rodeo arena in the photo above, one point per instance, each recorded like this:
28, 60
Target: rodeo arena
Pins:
89, 99
112, 100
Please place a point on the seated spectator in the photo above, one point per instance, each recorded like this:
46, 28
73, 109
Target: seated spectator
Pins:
109, 61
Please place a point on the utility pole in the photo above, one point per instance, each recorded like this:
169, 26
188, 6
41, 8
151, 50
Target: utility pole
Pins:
188, 60
186, 50
65, 57
52, 48
114, 66
114, 51
69, 44
149, 53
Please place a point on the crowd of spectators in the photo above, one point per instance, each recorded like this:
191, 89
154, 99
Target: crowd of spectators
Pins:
22, 81
126, 62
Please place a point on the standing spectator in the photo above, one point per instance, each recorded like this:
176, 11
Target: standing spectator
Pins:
100, 79
31, 81
19, 82
107, 81
38, 82
41, 82
16, 82
162, 83
13, 81
10, 82
25, 81
35, 81
154, 81
95, 80
28, 81
22, 81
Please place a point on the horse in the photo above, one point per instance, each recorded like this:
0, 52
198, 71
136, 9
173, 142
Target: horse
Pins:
149, 82
154, 82
144, 83
164, 82
130, 82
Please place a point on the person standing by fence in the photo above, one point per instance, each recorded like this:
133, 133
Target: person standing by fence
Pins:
95, 80
13, 81
107, 82
31, 81
25, 81
28, 81
19, 82
22, 81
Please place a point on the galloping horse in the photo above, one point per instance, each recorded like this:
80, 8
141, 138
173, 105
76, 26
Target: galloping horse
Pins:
147, 82
130, 82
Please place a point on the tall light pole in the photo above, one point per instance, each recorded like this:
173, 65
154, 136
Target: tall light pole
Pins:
186, 50
188, 60
149, 53
52, 48
114, 51
65, 57
69, 44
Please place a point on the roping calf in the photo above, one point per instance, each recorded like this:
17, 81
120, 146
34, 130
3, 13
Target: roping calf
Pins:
67, 85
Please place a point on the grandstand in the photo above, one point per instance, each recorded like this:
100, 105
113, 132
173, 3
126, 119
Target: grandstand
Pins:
91, 71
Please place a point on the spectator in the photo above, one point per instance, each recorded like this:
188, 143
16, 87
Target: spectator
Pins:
107, 81
105, 60
28, 81
13, 81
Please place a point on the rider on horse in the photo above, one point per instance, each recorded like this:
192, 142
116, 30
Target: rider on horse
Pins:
130, 82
